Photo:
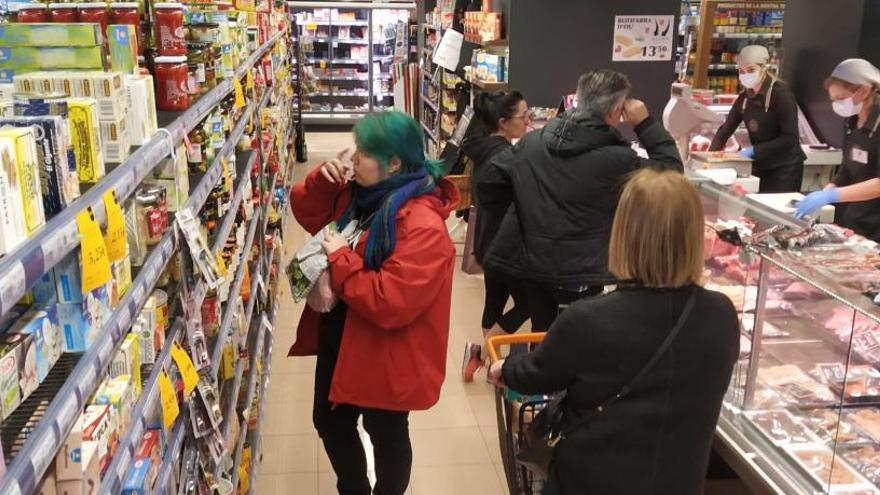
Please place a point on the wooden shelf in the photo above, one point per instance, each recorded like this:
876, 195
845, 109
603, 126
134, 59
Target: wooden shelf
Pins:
489, 86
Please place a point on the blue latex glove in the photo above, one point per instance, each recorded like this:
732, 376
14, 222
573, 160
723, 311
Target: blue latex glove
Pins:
816, 200
748, 152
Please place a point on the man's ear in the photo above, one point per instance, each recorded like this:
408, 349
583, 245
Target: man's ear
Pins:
394, 165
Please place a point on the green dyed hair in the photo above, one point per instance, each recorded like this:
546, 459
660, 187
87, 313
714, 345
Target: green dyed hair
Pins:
386, 135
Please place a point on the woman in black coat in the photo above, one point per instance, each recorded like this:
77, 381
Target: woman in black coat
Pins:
656, 439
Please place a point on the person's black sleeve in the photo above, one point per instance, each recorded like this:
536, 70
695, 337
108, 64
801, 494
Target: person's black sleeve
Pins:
493, 186
553, 365
843, 177
660, 145
784, 107
734, 119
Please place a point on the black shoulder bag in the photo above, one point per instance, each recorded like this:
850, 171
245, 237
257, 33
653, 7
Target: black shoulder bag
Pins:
545, 431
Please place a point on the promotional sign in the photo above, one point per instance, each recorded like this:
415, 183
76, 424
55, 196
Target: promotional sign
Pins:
643, 38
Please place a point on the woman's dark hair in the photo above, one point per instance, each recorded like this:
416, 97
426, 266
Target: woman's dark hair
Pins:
489, 108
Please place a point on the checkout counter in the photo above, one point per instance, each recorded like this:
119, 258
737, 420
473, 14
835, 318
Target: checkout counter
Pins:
693, 117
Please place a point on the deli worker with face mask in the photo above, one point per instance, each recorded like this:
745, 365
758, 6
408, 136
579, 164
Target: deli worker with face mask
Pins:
853, 90
770, 113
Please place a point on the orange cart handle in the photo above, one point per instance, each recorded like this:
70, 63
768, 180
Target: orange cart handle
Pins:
495, 343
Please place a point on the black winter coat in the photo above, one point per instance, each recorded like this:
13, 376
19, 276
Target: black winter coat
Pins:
480, 150
564, 182
656, 440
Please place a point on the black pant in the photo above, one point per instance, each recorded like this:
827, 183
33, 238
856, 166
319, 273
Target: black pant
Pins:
545, 300
337, 426
500, 287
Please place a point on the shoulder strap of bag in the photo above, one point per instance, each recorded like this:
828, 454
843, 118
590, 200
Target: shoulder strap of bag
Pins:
625, 390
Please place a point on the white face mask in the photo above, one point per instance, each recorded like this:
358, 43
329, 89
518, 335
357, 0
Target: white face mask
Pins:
846, 108
750, 80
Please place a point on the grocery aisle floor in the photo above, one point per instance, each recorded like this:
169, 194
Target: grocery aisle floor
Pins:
455, 445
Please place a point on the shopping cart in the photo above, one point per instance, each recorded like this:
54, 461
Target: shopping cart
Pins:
514, 413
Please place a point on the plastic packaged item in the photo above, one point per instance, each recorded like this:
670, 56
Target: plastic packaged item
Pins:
63, 12
32, 13
170, 35
127, 13
172, 76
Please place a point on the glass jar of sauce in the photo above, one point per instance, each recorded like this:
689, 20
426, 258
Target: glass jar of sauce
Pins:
127, 13
170, 35
172, 83
32, 12
62, 12
94, 12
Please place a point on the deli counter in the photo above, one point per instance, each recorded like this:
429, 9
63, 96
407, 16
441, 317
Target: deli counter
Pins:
802, 414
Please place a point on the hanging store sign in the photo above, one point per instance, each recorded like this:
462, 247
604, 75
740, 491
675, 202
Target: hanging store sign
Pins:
643, 38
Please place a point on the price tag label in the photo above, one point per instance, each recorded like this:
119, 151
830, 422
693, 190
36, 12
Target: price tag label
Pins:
95, 262
187, 368
239, 93
249, 80
221, 263
227, 176
228, 361
167, 400
323, 64
244, 481
311, 26
116, 240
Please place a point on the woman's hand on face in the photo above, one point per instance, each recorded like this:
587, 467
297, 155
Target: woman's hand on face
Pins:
495, 376
337, 169
333, 241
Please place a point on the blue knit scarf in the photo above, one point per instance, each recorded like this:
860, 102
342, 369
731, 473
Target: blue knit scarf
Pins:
383, 201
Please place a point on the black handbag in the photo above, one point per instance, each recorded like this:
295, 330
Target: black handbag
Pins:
545, 431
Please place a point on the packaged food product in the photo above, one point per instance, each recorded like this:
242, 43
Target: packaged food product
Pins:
28, 59
85, 133
127, 13
63, 12
152, 214
118, 393
122, 40
94, 12
172, 83
29, 104
81, 322
13, 230
145, 328
52, 148
10, 389
109, 91
142, 123
44, 291
170, 36
115, 140
127, 361
42, 324
68, 461
158, 302
32, 13
97, 427
26, 360
121, 280
22, 145
137, 246
137, 480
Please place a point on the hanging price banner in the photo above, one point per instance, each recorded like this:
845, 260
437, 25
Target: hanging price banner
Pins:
186, 367
116, 240
95, 262
239, 93
167, 400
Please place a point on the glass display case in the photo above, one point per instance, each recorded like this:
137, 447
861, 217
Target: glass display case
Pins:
349, 48
802, 414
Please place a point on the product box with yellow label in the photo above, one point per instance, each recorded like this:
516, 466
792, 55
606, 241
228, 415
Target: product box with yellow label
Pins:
22, 141
50, 34
86, 136
128, 361
109, 89
13, 230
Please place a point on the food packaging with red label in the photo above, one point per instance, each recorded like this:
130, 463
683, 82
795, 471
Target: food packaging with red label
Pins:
63, 12
127, 13
95, 12
34, 12
170, 36
172, 78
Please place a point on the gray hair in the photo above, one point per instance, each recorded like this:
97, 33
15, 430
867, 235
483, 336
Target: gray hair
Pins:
599, 91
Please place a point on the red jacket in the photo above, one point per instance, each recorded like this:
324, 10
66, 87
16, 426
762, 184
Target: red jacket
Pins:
393, 353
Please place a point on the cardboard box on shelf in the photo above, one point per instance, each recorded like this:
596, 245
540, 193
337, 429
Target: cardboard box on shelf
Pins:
13, 230
86, 136
98, 427
47, 485
82, 322
115, 140
128, 361
62, 34
118, 393
68, 461
10, 389
137, 481
28, 59
22, 142
109, 88
121, 280
25, 359
122, 39
89, 480
141, 112
42, 325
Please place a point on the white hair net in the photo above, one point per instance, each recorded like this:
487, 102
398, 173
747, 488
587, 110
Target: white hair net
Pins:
754, 54
857, 71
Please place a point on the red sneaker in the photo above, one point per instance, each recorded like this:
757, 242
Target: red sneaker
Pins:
472, 361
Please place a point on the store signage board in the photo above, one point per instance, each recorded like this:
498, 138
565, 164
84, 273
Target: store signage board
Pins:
448, 51
643, 38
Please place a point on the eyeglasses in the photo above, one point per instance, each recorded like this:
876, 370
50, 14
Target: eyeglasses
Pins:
525, 116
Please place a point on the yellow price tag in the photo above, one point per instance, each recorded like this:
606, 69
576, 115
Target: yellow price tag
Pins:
311, 25
239, 94
186, 367
323, 64
116, 240
95, 262
228, 361
221, 263
227, 175
167, 400
244, 481
249, 80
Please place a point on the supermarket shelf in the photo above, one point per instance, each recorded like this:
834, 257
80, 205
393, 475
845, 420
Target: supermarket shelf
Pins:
171, 455
229, 219
333, 23
224, 332
239, 448
489, 86
429, 132
348, 41
22, 268
345, 78
748, 36
144, 407
233, 401
339, 93
433, 106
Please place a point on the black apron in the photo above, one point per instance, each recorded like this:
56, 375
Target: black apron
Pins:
861, 157
783, 172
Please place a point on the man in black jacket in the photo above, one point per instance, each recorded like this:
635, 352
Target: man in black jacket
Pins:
561, 186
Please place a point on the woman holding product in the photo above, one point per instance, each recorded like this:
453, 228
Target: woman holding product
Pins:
661, 370
504, 118
853, 88
770, 113
382, 350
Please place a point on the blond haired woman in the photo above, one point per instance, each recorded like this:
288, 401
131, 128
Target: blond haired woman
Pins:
661, 342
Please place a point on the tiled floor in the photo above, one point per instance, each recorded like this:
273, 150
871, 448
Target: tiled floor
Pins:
455, 445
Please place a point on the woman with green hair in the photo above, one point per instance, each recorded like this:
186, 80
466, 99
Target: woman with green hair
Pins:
382, 349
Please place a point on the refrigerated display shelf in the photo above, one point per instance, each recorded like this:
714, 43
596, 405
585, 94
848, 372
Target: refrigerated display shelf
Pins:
333, 23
